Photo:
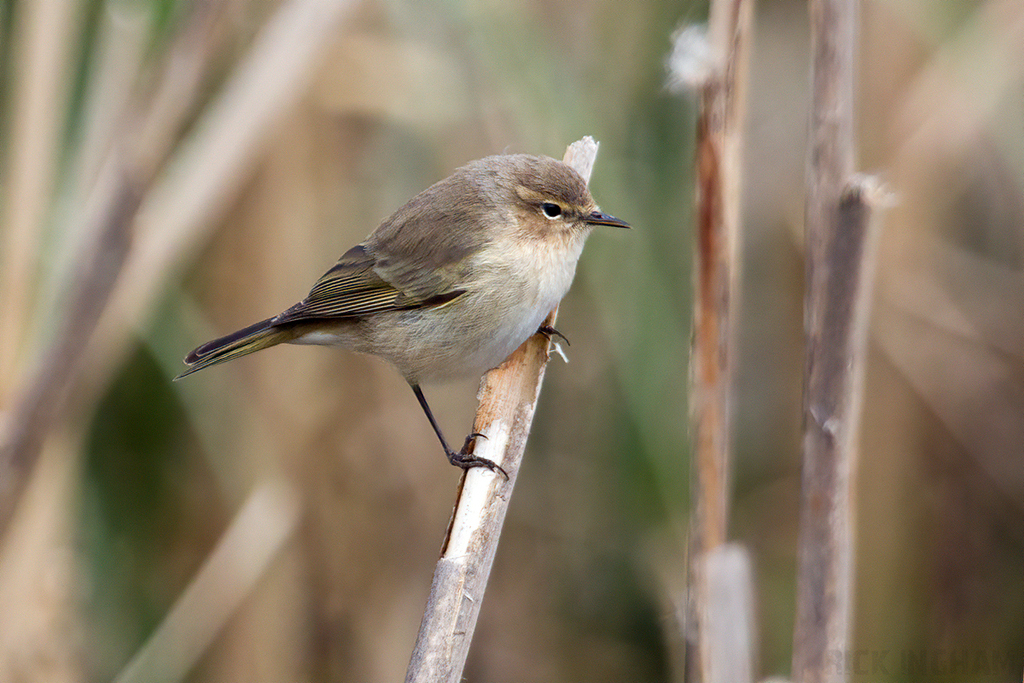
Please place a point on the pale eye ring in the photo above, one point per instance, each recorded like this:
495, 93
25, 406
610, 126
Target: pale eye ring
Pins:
551, 210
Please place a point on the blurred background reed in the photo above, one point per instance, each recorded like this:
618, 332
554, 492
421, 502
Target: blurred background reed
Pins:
211, 159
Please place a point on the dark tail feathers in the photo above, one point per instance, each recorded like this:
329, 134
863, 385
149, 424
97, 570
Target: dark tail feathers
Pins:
241, 343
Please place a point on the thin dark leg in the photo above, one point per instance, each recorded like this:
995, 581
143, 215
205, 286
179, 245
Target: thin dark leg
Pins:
463, 458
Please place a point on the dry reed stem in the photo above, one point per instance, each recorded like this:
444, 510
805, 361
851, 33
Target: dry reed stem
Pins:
42, 56
716, 300
833, 397
716, 275
170, 217
212, 165
840, 266
41, 618
728, 628
508, 398
108, 225
229, 574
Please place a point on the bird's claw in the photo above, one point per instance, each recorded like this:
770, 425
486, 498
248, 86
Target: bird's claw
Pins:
550, 332
467, 460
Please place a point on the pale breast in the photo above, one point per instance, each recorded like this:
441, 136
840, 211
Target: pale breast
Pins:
508, 299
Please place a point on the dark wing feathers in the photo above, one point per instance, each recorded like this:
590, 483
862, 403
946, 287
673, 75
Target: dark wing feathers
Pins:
354, 287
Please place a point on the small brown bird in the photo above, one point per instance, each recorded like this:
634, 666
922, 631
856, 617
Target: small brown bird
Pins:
450, 284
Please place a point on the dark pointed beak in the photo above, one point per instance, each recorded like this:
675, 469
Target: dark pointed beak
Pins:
598, 218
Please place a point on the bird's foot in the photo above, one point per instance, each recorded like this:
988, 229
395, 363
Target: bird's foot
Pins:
467, 460
550, 332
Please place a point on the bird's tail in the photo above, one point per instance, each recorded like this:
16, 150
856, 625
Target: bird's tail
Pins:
241, 343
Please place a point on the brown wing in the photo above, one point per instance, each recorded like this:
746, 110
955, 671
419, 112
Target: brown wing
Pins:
416, 258
423, 248
353, 288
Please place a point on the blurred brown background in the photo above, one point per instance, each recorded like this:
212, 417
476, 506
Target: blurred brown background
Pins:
256, 167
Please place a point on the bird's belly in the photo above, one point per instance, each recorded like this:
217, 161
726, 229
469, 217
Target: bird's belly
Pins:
470, 334
455, 341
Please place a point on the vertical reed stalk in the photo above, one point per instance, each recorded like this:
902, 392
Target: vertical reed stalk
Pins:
716, 299
840, 265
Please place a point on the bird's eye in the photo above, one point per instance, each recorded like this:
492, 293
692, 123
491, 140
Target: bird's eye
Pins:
551, 210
